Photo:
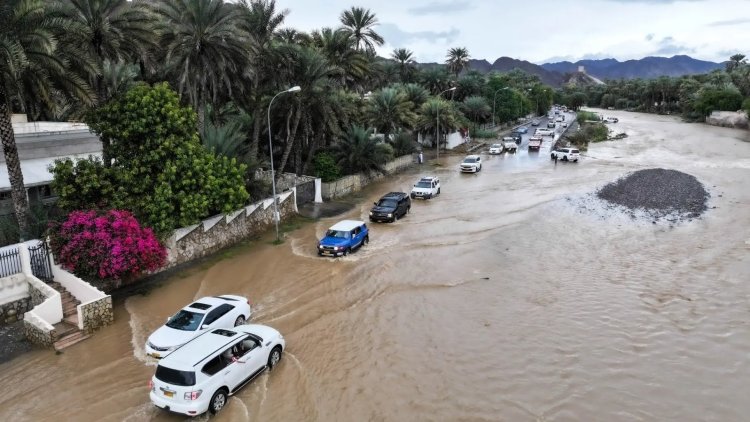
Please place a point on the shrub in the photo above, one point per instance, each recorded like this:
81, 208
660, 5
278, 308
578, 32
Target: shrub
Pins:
403, 144
108, 246
326, 167
477, 133
587, 116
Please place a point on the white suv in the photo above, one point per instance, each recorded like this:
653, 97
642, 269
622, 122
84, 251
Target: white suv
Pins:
426, 188
471, 164
496, 149
201, 375
566, 154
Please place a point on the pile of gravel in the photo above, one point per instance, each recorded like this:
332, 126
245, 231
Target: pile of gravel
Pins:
659, 193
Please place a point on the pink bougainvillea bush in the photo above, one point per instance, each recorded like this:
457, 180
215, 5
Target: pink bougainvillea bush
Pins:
106, 246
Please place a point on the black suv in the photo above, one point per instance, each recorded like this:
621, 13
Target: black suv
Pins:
391, 207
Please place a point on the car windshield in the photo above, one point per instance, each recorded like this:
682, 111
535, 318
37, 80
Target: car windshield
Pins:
175, 377
387, 203
470, 160
575, 151
185, 321
336, 233
495, 145
424, 184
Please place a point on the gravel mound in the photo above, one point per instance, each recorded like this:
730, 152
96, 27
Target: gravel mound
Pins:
660, 193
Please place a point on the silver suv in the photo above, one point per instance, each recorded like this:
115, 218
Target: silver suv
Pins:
566, 154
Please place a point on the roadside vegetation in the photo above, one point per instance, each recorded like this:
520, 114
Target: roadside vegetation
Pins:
99, 62
694, 96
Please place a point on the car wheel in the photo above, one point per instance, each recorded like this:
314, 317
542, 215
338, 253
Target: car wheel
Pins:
395, 217
408, 209
552, 156
438, 191
346, 252
239, 321
575, 161
218, 401
367, 239
274, 358
565, 158
413, 197
320, 253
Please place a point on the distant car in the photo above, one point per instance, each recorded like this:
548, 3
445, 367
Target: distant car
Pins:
535, 142
427, 187
496, 149
391, 207
566, 154
565, 124
612, 119
343, 237
559, 119
510, 145
535, 123
201, 375
471, 164
223, 311
550, 124
522, 129
516, 137
544, 132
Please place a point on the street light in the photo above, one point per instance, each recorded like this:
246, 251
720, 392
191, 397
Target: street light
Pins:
437, 123
270, 153
494, 97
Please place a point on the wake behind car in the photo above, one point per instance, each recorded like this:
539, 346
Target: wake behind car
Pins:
224, 311
391, 207
202, 374
427, 187
496, 149
343, 237
471, 164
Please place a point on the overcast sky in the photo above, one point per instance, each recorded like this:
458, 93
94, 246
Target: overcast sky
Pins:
546, 30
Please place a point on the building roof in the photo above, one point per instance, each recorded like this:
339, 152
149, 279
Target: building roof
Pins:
347, 225
36, 171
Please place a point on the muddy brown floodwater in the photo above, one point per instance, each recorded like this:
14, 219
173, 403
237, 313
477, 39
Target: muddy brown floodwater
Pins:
498, 300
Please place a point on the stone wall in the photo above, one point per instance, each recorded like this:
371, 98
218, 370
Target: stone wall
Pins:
96, 314
735, 119
36, 334
13, 311
221, 231
356, 182
37, 296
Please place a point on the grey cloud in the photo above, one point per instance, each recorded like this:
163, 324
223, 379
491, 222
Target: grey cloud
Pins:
397, 37
441, 8
653, 1
649, 37
739, 21
668, 47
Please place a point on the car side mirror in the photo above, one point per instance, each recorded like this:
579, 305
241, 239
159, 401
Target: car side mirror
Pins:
375, 203
204, 326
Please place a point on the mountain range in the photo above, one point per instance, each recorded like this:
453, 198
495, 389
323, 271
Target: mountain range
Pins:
554, 74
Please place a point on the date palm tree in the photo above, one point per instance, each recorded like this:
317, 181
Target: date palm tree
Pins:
389, 110
339, 49
206, 51
406, 62
30, 66
359, 151
360, 24
476, 109
457, 59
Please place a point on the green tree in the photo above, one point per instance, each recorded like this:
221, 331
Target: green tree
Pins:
457, 59
31, 66
359, 151
360, 24
161, 171
449, 116
206, 50
476, 109
389, 110
719, 99
406, 63
326, 167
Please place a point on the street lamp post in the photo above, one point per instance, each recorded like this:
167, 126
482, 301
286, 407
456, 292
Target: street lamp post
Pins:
437, 123
494, 98
270, 154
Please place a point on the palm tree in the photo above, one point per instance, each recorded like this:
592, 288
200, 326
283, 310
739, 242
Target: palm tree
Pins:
735, 61
389, 110
435, 79
450, 117
415, 93
205, 48
359, 151
360, 24
261, 20
338, 47
476, 109
30, 65
406, 62
457, 59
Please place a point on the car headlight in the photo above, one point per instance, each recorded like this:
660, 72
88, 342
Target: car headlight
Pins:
320, 246
370, 212
390, 215
335, 248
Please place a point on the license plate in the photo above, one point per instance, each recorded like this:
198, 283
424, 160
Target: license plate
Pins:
156, 355
327, 253
169, 394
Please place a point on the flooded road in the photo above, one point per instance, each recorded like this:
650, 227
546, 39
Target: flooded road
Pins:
498, 300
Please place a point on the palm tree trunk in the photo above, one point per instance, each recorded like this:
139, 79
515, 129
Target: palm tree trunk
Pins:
291, 135
258, 120
18, 191
312, 151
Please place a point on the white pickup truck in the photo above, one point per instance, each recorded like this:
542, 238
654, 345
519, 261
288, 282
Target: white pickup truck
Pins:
510, 145
544, 132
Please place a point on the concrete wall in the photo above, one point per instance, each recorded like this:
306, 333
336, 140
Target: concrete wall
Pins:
218, 232
13, 288
46, 300
356, 182
81, 290
735, 119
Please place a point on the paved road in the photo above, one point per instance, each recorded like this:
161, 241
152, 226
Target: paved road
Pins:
523, 149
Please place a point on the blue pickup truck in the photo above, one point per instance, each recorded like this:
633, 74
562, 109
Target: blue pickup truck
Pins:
343, 237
